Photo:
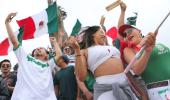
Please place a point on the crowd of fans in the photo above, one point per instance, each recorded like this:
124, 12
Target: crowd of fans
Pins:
90, 69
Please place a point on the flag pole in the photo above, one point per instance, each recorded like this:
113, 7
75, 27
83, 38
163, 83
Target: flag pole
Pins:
102, 20
113, 5
139, 54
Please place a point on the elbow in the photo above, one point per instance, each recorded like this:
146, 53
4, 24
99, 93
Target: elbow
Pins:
137, 71
81, 79
81, 76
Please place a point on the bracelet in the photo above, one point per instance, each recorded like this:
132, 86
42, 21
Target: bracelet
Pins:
78, 55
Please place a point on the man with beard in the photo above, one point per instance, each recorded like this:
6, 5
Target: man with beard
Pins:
34, 81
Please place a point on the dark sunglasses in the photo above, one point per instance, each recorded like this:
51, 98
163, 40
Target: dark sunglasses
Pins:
66, 48
129, 31
5, 65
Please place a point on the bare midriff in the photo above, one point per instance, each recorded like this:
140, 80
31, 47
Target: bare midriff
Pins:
109, 67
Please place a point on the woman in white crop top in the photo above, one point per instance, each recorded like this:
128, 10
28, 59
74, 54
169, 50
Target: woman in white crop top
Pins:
105, 63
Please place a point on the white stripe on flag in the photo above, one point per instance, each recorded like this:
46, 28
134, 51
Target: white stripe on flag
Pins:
40, 21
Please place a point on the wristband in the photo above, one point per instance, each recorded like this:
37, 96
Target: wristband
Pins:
78, 55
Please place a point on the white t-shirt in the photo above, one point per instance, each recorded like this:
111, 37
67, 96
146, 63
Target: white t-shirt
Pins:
34, 78
71, 59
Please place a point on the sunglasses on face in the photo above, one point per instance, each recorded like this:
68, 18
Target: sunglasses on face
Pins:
129, 31
5, 65
66, 48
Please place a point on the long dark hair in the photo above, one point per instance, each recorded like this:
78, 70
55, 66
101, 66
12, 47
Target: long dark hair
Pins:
88, 38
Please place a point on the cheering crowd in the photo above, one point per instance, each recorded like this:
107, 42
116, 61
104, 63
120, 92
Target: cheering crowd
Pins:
90, 68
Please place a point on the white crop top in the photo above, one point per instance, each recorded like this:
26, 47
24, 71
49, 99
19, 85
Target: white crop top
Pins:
99, 54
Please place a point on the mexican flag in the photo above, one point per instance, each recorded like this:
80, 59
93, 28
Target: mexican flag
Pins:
37, 25
42, 23
6, 45
76, 28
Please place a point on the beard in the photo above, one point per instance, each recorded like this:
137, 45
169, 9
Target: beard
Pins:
38, 54
41, 56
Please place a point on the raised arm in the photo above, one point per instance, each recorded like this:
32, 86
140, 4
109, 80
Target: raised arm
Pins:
56, 48
10, 32
141, 63
122, 14
81, 63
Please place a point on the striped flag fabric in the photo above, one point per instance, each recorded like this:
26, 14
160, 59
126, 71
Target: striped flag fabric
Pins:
42, 23
76, 28
37, 25
6, 45
112, 33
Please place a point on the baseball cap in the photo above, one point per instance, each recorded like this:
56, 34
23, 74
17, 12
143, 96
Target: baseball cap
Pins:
123, 28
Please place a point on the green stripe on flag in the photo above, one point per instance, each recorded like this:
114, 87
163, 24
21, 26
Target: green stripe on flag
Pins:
76, 28
52, 19
20, 35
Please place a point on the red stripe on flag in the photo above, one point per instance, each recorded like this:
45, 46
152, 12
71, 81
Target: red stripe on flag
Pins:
112, 33
29, 27
4, 45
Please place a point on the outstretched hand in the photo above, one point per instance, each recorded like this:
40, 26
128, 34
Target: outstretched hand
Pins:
10, 17
149, 41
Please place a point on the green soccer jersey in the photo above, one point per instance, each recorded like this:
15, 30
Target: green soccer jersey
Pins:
66, 80
89, 81
158, 67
